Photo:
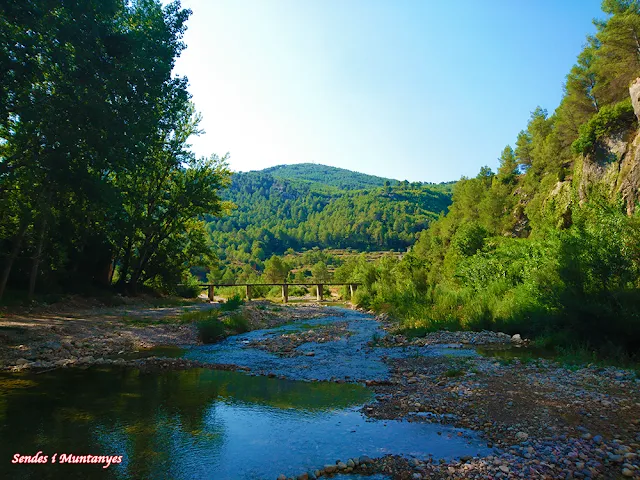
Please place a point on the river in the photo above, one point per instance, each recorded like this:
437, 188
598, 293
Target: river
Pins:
208, 424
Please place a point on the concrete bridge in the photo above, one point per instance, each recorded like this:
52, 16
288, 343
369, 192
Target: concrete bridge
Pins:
285, 288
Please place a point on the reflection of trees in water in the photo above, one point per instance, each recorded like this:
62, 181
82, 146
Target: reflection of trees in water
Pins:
148, 417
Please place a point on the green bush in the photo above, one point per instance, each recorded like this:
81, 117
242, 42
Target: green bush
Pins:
211, 330
189, 288
237, 322
298, 291
232, 303
609, 119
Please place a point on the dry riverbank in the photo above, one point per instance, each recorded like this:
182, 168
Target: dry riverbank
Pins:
67, 335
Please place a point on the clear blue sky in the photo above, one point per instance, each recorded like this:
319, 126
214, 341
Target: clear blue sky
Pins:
420, 90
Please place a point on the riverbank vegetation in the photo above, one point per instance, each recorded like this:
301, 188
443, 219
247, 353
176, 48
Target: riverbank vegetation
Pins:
548, 245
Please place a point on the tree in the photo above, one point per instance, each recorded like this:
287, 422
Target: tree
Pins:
276, 270
320, 272
95, 168
508, 166
618, 59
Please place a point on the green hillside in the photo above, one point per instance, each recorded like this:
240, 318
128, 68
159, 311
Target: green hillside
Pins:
326, 176
274, 214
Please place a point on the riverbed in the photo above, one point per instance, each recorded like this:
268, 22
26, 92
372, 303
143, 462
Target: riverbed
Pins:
284, 417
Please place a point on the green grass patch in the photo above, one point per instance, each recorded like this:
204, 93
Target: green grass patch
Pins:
232, 303
454, 372
237, 322
198, 315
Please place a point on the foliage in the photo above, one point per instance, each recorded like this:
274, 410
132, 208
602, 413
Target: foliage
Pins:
276, 215
324, 176
98, 183
535, 249
211, 330
189, 288
232, 303
610, 119
237, 322
276, 270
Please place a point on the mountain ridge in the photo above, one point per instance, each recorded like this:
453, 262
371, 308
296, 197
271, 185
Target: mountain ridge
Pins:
330, 176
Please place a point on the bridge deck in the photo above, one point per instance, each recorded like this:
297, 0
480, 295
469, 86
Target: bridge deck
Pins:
285, 288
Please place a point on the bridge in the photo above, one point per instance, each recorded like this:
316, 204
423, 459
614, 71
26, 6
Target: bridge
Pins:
285, 288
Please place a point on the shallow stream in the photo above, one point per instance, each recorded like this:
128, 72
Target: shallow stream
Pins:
207, 424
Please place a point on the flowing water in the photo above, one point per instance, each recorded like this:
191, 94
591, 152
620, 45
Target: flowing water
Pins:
207, 424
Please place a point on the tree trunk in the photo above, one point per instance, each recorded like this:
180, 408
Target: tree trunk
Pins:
6, 271
36, 260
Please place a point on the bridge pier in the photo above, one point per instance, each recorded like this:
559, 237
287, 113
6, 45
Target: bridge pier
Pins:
248, 292
211, 293
352, 289
285, 293
319, 288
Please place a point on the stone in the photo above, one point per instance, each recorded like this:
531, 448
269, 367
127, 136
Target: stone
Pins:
517, 339
303, 476
351, 463
627, 473
330, 468
521, 436
22, 361
282, 477
504, 468
634, 92
365, 459
342, 466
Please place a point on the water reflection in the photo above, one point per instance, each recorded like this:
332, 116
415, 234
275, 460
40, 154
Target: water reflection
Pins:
196, 424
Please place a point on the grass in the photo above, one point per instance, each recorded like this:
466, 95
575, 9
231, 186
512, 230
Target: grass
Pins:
232, 303
198, 315
237, 322
213, 327
454, 372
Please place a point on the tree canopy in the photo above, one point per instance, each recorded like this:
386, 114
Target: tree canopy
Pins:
96, 173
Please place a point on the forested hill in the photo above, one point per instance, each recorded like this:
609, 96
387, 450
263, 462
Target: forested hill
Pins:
324, 175
275, 214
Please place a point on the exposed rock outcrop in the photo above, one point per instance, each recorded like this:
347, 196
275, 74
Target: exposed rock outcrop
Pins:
615, 165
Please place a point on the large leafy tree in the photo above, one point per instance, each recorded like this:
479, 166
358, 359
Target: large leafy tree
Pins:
94, 152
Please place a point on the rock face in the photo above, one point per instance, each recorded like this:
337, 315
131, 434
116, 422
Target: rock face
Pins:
634, 93
616, 162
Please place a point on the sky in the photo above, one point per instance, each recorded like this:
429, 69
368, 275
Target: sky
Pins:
420, 90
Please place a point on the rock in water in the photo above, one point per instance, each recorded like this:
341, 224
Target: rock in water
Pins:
517, 339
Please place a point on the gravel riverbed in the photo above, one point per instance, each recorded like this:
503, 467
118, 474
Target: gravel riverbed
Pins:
541, 419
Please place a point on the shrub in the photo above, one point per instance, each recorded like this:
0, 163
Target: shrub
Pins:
237, 322
210, 330
232, 303
609, 119
189, 288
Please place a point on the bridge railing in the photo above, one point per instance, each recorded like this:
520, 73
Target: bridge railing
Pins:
285, 288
